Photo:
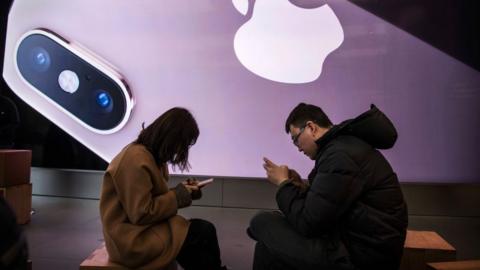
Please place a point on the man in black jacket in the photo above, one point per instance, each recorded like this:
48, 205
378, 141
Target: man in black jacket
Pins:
350, 215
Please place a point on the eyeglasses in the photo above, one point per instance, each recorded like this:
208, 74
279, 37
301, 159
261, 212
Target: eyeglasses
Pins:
295, 138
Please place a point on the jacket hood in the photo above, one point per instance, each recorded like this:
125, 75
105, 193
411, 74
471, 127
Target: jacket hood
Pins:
372, 126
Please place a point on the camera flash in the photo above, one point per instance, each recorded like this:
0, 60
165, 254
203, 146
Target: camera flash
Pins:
68, 81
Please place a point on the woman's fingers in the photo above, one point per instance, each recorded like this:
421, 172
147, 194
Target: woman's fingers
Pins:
190, 181
192, 187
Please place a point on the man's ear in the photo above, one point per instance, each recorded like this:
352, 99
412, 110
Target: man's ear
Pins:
316, 129
312, 125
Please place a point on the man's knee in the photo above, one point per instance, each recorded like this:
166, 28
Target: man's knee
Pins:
261, 222
264, 218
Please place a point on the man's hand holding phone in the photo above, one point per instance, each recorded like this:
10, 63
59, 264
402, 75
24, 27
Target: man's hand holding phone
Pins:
297, 180
276, 174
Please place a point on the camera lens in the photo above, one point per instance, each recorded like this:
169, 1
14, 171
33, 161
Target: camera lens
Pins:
104, 100
40, 59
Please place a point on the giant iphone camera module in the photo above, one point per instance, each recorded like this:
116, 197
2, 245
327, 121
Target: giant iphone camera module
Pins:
70, 77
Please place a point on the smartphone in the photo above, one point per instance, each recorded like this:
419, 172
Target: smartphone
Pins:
100, 69
100, 75
205, 182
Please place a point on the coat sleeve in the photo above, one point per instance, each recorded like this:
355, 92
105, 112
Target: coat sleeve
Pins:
332, 191
133, 183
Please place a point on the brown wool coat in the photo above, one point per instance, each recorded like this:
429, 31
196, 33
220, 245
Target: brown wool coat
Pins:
139, 212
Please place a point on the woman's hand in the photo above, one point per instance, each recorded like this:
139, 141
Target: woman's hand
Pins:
191, 188
191, 184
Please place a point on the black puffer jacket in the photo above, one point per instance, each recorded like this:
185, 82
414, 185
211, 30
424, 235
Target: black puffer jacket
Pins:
353, 193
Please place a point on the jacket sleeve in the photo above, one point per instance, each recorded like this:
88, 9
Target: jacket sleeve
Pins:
334, 187
133, 183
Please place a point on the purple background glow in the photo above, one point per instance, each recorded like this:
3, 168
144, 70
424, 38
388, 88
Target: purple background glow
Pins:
180, 53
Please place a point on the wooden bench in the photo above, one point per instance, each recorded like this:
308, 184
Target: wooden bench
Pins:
98, 260
458, 265
422, 247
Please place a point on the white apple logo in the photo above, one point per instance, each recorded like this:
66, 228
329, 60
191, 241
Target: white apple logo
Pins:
285, 43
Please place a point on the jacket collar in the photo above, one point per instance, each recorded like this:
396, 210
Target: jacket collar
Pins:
331, 134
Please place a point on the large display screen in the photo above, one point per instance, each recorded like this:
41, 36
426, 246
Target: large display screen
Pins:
99, 69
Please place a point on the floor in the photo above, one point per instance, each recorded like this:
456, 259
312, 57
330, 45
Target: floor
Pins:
64, 231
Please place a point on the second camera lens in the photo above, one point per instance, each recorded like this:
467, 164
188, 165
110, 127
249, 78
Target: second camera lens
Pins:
40, 59
104, 100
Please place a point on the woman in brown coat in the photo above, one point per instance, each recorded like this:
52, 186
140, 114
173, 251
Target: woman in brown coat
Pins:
138, 210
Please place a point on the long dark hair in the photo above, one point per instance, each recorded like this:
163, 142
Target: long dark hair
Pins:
170, 136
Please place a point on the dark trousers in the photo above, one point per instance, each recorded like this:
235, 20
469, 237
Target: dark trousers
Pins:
280, 247
200, 249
